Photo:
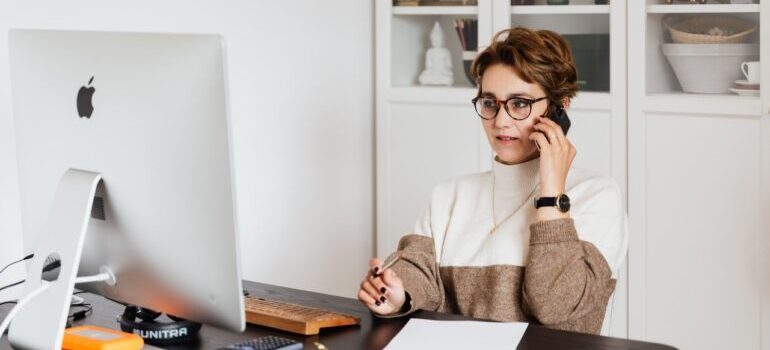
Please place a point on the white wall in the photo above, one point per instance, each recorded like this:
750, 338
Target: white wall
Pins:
301, 98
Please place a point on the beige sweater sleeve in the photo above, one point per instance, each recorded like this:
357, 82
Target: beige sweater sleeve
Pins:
567, 282
419, 273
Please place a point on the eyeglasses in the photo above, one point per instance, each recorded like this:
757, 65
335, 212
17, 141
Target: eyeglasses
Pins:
517, 108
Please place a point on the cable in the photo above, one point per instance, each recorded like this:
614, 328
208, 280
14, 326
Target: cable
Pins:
19, 305
115, 301
102, 277
14, 284
75, 316
105, 276
17, 261
53, 264
79, 315
76, 300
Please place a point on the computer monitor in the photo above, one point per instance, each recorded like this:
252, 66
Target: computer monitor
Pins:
149, 113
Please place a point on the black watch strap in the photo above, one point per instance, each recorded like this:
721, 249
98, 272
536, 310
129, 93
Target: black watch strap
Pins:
560, 202
545, 202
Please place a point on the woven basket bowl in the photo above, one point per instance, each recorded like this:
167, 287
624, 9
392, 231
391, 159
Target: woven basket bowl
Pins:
692, 30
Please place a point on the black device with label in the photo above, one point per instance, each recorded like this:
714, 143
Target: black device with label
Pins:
144, 323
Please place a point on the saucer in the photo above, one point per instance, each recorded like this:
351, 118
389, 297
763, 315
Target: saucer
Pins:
743, 83
745, 92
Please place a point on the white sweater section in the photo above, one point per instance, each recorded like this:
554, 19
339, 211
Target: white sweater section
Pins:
459, 217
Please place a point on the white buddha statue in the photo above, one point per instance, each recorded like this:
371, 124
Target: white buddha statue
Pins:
438, 61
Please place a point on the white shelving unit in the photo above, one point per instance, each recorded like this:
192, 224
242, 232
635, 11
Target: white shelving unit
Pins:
692, 159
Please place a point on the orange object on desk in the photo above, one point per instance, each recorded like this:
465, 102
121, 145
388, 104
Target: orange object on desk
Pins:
98, 338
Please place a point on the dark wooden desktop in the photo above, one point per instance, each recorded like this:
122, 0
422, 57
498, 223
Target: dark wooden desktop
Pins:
372, 333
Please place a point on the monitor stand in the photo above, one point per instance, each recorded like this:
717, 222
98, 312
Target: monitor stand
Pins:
39, 324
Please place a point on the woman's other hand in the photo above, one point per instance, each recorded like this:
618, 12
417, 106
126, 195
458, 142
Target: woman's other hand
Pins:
383, 293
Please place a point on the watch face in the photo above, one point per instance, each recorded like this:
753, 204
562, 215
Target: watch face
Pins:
563, 203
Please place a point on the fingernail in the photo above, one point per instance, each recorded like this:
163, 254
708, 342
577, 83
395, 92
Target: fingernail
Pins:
377, 303
382, 299
382, 290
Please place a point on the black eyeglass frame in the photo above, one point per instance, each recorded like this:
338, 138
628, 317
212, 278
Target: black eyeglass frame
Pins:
530, 102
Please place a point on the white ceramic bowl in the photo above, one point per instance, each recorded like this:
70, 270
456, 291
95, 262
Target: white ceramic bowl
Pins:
708, 68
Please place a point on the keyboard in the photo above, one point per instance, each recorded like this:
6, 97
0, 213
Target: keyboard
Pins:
293, 318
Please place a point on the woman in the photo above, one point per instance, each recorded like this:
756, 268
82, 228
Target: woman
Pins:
507, 245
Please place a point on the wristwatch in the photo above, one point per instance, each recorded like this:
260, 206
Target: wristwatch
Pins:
561, 202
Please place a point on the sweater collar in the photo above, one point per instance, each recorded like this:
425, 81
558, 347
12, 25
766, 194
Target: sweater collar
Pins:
516, 179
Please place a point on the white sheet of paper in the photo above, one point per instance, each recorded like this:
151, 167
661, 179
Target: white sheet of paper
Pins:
430, 334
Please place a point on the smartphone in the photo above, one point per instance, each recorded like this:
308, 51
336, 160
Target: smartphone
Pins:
559, 115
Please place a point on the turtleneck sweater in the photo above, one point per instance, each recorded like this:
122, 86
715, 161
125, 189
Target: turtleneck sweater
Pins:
507, 266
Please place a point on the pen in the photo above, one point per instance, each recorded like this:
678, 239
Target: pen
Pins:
388, 263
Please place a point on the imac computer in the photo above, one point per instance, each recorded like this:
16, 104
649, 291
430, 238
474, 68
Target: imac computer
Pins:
125, 172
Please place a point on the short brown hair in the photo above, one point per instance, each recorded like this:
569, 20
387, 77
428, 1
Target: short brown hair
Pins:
540, 56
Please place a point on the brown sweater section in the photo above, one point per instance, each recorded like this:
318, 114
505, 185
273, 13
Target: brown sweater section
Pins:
567, 282
565, 285
417, 269
489, 292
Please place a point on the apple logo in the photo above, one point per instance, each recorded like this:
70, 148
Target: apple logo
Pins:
85, 94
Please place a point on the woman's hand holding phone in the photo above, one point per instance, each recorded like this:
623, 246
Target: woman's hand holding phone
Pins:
556, 156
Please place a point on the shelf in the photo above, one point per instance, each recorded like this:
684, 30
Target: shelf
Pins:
559, 9
703, 104
435, 10
433, 94
705, 8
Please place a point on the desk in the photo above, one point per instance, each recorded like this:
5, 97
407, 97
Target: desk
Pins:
373, 333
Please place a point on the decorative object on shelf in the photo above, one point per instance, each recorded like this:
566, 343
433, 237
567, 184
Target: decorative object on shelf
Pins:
468, 32
709, 29
468, 57
406, 2
438, 61
750, 85
690, 1
557, 2
592, 60
708, 68
751, 71
522, 2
